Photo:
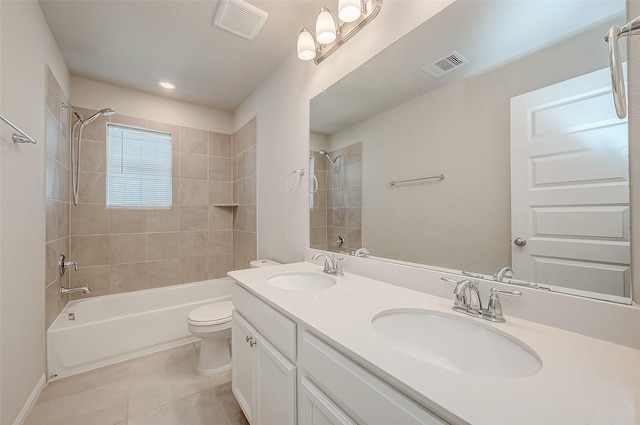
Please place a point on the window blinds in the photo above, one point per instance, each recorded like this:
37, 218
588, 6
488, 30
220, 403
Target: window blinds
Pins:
138, 168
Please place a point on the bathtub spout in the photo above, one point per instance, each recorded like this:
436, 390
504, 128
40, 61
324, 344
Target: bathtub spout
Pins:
84, 289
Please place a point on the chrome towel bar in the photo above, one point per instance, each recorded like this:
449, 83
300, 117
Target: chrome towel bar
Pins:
392, 183
18, 138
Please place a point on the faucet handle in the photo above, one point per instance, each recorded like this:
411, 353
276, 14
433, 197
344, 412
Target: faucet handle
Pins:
494, 308
338, 266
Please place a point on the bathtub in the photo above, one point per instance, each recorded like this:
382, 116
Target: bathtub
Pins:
112, 328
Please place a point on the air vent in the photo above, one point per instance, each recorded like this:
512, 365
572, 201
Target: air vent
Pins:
445, 64
240, 18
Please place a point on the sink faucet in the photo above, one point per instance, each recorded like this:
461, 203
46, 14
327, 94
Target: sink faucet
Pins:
468, 300
504, 272
332, 265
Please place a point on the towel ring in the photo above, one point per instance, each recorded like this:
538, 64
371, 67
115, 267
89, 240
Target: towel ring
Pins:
298, 173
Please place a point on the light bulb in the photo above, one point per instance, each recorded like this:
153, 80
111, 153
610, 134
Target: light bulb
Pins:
306, 45
349, 10
325, 27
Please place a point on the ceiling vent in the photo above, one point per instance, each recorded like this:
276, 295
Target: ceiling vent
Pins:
240, 18
445, 64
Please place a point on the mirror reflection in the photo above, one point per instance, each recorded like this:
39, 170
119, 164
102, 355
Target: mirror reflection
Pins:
502, 142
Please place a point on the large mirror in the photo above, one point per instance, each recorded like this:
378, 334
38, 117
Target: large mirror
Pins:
486, 138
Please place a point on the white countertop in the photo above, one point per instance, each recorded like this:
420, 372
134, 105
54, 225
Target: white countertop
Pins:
583, 380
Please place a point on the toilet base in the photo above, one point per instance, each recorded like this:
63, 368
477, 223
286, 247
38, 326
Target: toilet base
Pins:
215, 357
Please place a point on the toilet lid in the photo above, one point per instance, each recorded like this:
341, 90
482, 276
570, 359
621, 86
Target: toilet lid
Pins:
212, 313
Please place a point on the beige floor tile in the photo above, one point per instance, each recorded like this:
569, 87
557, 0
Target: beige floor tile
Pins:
105, 405
202, 408
164, 377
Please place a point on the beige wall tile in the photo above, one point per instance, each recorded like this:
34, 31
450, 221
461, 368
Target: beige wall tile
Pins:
97, 277
354, 218
128, 221
220, 265
89, 219
92, 188
164, 220
130, 121
51, 295
340, 216
219, 144
174, 130
251, 218
93, 156
194, 192
163, 273
240, 262
128, 248
220, 218
318, 217
193, 166
175, 165
193, 269
194, 244
220, 169
54, 94
127, 277
240, 166
220, 192
319, 236
164, 245
194, 218
354, 175
354, 239
320, 199
52, 135
57, 181
97, 130
251, 190
63, 151
331, 217
322, 180
244, 244
221, 242
175, 189
90, 250
57, 219
53, 250
194, 141
251, 162
354, 196
240, 191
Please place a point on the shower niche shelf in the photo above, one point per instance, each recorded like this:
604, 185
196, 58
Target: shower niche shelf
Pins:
225, 204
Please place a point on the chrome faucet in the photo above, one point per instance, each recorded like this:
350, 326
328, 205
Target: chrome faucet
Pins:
332, 265
504, 272
361, 252
468, 300
84, 289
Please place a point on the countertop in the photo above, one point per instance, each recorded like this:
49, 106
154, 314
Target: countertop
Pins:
583, 380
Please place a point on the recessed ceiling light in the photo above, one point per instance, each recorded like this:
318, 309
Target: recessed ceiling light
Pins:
167, 84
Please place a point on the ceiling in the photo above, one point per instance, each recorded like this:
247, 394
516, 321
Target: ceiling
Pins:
134, 44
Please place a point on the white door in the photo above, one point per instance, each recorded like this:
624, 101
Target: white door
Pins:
243, 368
570, 188
275, 386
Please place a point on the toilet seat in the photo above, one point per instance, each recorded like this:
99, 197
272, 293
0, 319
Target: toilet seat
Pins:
211, 314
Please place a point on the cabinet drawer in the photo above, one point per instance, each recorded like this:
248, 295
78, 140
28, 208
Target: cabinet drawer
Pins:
361, 394
274, 326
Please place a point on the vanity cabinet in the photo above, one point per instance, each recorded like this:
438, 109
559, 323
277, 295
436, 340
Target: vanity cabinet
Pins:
263, 377
315, 408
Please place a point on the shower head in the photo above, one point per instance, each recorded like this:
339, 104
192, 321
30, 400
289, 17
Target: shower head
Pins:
106, 112
325, 153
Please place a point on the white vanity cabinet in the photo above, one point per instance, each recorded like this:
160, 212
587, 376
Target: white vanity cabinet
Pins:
263, 352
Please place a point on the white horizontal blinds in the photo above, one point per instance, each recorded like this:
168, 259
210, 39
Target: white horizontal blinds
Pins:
138, 168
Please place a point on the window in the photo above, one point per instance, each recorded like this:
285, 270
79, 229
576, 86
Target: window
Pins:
138, 168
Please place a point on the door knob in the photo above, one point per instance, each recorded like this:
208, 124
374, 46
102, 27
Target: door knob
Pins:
520, 242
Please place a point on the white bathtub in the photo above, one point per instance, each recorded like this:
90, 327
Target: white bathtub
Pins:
113, 328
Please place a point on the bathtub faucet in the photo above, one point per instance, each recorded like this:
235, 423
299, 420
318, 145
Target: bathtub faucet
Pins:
84, 289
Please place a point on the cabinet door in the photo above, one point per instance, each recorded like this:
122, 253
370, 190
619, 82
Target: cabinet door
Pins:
243, 365
276, 386
316, 408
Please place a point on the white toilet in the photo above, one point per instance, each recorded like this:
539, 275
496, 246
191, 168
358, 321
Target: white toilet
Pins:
212, 324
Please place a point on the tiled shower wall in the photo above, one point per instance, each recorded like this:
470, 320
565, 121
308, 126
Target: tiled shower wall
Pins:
244, 193
57, 196
120, 250
328, 221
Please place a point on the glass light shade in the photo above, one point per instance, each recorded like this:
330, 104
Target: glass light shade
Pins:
349, 10
306, 46
325, 27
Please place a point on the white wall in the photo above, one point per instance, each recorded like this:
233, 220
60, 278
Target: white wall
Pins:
95, 95
27, 45
633, 10
281, 105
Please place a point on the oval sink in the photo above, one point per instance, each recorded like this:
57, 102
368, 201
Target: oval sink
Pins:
456, 343
301, 281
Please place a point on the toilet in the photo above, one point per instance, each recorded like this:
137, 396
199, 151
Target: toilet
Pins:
212, 324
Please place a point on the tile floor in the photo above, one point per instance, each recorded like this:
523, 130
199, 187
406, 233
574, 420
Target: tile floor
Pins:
159, 389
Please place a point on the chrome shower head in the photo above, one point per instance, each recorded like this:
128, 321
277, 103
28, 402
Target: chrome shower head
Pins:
325, 153
106, 112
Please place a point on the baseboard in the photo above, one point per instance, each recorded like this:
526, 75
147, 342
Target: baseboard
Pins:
31, 401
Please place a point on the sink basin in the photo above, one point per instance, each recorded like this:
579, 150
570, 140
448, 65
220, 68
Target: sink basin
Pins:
301, 281
457, 344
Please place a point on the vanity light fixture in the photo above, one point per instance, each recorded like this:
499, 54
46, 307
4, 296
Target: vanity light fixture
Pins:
333, 31
167, 85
